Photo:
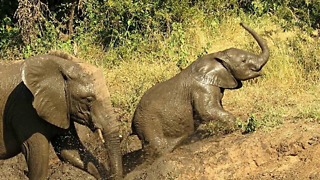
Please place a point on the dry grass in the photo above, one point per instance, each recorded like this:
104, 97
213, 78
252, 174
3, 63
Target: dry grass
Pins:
286, 92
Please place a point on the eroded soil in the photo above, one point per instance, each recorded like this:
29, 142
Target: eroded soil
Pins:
291, 151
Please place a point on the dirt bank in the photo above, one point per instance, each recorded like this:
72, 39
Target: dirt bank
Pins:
291, 151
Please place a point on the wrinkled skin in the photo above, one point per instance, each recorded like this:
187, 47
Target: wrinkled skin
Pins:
171, 111
41, 98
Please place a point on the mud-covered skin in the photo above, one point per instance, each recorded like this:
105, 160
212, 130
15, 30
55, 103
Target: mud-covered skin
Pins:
172, 110
41, 98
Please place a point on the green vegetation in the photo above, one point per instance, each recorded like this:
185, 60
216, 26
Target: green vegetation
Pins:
251, 125
140, 43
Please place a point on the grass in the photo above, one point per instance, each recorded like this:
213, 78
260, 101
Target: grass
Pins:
286, 91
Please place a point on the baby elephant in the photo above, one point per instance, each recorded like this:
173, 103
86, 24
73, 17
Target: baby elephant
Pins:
171, 111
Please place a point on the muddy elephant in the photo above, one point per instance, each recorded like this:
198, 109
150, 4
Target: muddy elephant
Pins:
172, 110
40, 100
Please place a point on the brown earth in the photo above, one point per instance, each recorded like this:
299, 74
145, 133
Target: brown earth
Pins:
291, 151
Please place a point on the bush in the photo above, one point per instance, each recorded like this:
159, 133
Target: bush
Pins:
115, 23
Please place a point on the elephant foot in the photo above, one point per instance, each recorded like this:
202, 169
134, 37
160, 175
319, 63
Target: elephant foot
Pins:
165, 146
36, 152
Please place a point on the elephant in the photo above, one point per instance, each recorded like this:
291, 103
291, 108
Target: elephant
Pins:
170, 112
41, 99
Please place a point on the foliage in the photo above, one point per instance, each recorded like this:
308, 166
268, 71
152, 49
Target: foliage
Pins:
251, 125
8, 35
304, 13
141, 43
128, 23
33, 25
7, 8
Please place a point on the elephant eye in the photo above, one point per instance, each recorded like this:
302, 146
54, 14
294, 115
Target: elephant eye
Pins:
87, 99
90, 98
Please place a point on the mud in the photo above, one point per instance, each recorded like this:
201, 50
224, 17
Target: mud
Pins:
291, 151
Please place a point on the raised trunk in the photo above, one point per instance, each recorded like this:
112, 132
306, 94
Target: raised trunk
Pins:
264, 55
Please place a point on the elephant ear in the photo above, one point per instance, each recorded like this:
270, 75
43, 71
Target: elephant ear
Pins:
45, 77
210, 71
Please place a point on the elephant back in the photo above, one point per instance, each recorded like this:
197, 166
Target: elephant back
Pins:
10, 77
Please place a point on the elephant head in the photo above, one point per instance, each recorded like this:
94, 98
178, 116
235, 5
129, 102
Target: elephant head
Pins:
229, 67
66, 90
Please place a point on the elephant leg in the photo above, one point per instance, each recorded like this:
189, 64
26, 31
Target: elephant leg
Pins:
69, 148
155, 143
227, 122
207, 102
36, 152
224, 121
174, 143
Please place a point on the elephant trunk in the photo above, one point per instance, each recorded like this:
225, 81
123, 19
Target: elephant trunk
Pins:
107, 126
112, 143
264, 55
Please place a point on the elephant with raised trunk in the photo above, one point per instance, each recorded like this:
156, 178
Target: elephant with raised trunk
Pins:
171, 111
41, 98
